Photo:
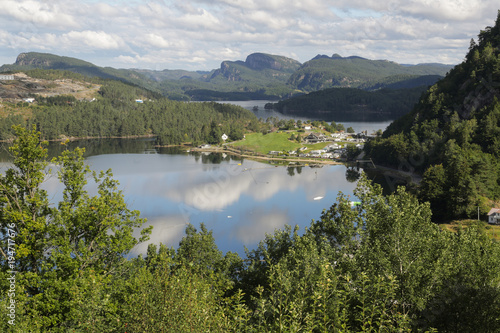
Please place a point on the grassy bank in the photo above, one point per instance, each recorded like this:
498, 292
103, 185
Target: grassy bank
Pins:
277, 141
492, 231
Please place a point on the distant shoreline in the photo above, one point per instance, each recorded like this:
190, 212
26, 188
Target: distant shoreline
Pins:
75, 138
266, 158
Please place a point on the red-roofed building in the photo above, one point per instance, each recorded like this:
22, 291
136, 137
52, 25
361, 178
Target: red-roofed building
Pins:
494, 216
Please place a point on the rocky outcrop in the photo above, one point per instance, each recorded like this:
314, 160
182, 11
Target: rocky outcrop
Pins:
262, 61
27, 59
259, 61
227, 70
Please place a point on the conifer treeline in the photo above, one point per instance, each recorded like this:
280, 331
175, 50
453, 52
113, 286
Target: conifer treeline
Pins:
118, 113
452, 136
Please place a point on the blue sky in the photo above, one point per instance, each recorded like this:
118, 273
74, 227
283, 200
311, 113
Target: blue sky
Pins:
199, 34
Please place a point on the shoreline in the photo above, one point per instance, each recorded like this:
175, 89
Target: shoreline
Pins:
384, 170
76, 138
266, 158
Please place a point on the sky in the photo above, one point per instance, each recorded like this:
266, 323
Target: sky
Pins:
200, 34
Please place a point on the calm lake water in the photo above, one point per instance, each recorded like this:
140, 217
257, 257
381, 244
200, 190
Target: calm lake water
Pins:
240, 200
264, 114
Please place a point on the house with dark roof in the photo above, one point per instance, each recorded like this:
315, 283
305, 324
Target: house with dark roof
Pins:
315, 137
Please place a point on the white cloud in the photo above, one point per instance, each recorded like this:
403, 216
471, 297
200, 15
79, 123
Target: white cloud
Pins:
157, 41
200, 20
458, 10
95, 39
41, 14
199, 34
124, 59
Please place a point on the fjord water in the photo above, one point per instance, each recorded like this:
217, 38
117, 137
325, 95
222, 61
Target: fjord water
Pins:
258, 108
240, 200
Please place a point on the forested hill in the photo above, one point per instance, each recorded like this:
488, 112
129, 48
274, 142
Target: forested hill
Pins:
452, 136
356, 72
259, 76
117, 109
348, 104
33, 60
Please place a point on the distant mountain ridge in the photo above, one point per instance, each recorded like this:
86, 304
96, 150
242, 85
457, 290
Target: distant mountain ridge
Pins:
323, 72
31, 60
261, 75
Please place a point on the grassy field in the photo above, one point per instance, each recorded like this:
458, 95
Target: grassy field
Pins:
273, 141
492, 231
264, 143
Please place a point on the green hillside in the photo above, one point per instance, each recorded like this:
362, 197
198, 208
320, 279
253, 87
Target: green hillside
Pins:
348, 104
119, 109
355, 72
175, 74
33, 60
452, 136
260, 76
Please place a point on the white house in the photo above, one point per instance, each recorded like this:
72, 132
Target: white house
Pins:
6, 77
332, 147
494, 216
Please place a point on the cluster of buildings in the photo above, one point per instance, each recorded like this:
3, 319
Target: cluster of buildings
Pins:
335, 150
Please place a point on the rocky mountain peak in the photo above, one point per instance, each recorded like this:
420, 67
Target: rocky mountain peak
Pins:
28, 59
262, 61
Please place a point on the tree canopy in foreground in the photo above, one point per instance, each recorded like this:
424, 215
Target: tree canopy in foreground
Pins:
381, 265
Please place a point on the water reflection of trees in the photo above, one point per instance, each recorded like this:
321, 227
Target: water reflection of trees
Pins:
352, 174
291, 170
214, 158
110, 146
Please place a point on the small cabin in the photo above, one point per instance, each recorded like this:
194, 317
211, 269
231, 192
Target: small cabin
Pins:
494, 216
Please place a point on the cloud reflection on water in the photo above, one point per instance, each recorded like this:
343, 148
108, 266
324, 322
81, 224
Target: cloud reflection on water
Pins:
167, 230
253, 225
172, 190
225, 186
